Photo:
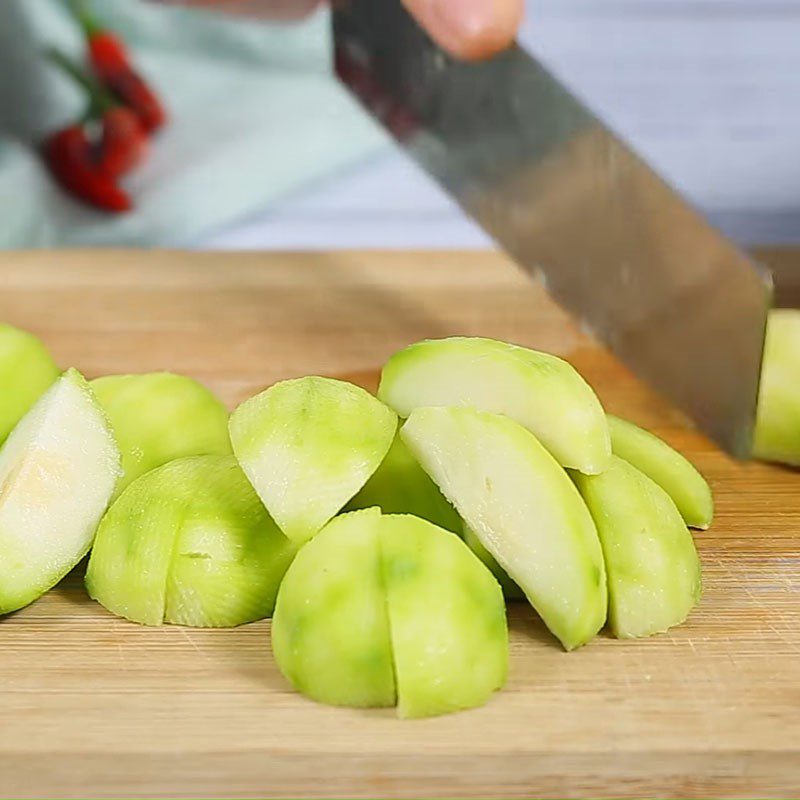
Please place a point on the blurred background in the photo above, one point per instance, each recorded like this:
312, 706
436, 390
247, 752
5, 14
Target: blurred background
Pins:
264, 150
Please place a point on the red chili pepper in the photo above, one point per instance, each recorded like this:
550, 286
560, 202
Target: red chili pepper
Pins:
112, 64
68, 154
123, 144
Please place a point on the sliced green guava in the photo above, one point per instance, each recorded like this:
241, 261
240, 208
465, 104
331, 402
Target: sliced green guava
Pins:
541, 392
446, 617
651, 561
673, 472
58, 469
308, 446
524, 509
510, 589
189, 543
27, 370
158, 417
330, 630
777, 431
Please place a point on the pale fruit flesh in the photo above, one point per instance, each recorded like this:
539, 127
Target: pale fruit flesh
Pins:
58, 469
652, 564
308, 446
510, 589
541, 392
159, 417
524, 509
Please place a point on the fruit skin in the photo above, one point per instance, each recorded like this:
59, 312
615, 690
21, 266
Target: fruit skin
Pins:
58, 469
539, 391
674, 473
652, 564
446, 618
777, 430
27, 370
401, 486
524, 509
510, 589
158, 417
308, 446
189, 543
330, 630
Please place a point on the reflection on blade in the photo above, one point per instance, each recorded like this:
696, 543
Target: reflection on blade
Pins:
680, 304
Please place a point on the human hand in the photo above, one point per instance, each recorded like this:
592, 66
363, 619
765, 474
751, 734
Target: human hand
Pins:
471, 29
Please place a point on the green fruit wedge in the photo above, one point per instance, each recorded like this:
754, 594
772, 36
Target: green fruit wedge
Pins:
158, 417
401, 486
674, 473
777, 431
510, 589
652, 565
541, 392
58, 469
308, 446
524, 509
330, 632
446, 617
27, 370
189, 543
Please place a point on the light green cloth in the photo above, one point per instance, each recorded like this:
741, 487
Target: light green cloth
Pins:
255, 114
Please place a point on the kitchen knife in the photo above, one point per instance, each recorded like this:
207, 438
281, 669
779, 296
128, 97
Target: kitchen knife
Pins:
575, 206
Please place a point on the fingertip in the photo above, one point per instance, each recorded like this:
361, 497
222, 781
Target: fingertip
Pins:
469, 29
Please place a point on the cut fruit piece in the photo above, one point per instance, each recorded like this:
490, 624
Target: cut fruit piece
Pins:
330, 632
189, 543
401, 486
308, 446
510, 589
27, 370
541, 392
159, 417
58, 469
652, 565
523, 507
777, 431
446, 617
674, 473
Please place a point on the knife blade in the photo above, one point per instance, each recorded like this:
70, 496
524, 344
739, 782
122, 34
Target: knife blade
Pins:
574, 206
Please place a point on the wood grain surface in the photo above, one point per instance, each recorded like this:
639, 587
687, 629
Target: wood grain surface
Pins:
91, 705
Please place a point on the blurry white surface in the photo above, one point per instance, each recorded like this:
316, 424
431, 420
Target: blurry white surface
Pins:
707, 90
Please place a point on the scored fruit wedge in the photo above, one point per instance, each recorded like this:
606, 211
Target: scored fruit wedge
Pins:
158, 417
58, 469
401, 486
777, 431
308, 446
674, 473
378, 610
524, 509
191, 544
651, 561
541, 392
27, 370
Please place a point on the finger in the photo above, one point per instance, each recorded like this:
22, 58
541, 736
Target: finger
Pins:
471, 29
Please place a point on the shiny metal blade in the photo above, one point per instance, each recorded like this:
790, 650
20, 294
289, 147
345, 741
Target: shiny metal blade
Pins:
571, 203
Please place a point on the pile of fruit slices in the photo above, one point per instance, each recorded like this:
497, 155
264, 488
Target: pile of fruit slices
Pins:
382, 532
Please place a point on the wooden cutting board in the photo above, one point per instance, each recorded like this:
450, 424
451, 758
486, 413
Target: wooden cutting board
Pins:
93, 706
